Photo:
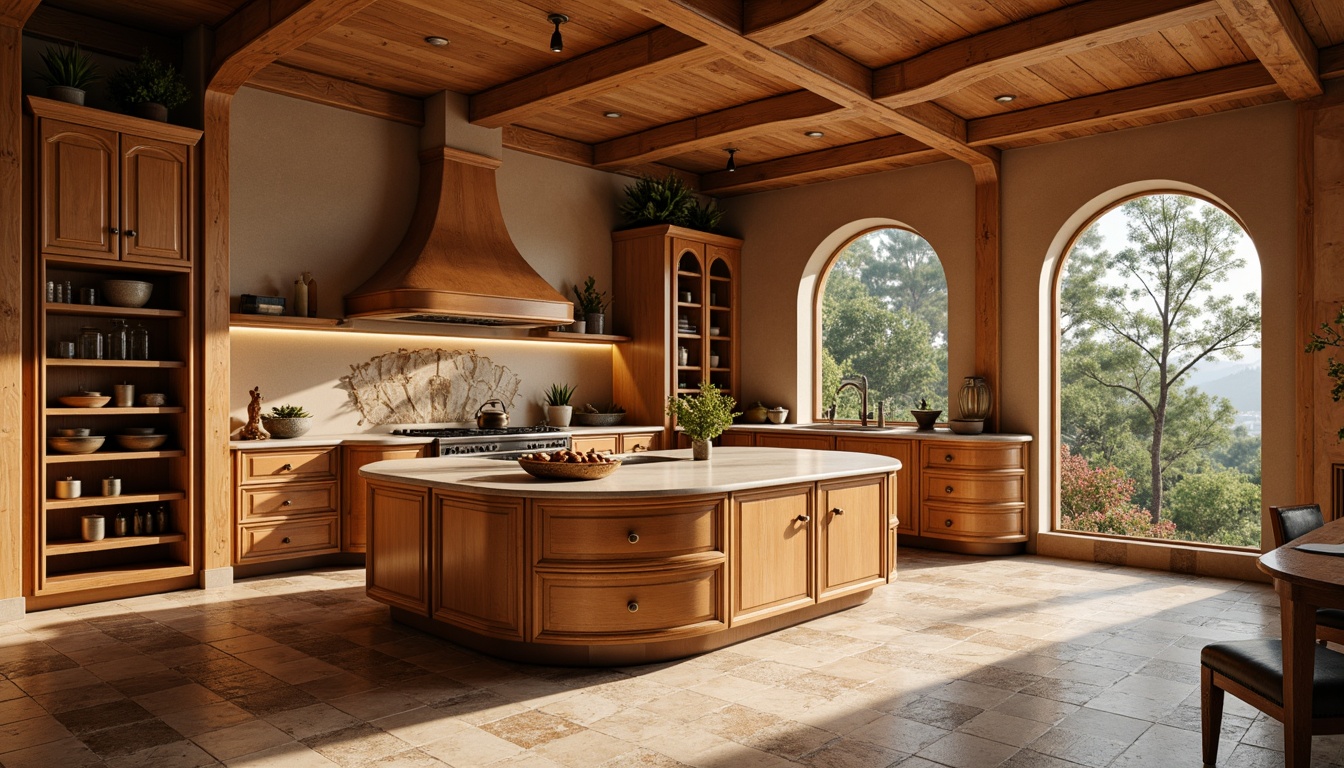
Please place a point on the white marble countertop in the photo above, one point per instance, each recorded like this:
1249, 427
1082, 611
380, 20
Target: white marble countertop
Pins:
729, 469
904, 431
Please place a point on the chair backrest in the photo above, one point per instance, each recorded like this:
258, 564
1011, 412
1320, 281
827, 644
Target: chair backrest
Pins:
1288, 523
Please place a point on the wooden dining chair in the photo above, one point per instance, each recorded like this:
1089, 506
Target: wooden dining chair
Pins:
1290, 522
1252, 670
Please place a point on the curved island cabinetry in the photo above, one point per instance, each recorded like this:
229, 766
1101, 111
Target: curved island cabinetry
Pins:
664, 558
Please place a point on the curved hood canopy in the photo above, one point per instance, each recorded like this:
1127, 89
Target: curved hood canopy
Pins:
456, 263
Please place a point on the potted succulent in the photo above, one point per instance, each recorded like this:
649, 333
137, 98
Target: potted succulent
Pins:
69, 71
592, 303
149, 87
558, 409
702, 416
925, 416
287, 421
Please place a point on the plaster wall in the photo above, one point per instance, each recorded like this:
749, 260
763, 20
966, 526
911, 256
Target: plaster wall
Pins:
331, 192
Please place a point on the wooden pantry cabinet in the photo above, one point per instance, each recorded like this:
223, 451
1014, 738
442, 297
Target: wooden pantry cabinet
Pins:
676, 293
112, 199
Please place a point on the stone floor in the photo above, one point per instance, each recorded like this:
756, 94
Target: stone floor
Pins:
1022, 662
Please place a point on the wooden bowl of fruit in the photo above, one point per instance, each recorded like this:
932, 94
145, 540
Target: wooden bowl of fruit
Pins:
568, 465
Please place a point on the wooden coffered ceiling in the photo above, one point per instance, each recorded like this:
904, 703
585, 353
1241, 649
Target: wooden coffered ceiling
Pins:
890, 83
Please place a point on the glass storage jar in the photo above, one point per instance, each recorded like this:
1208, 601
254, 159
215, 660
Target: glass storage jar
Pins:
139, 343
90, 343
119, 341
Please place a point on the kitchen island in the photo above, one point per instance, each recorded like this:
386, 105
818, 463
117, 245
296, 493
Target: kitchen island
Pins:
665, 558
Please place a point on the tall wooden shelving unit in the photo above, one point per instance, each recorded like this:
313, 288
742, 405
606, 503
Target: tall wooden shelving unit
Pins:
113, 198
672, 287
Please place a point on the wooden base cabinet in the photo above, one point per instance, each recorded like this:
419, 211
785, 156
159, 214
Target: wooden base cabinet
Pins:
355, 490
973, 496
773, 553
478, 564
851, 515
286, 503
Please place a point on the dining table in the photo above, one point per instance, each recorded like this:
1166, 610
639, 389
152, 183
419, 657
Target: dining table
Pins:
1304, 581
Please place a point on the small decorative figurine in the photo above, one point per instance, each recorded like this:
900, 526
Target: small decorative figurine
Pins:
254, 430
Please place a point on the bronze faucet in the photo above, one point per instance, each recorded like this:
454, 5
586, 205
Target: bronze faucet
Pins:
860, 383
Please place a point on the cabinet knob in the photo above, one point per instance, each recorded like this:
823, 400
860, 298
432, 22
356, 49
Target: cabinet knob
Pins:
114, 230
947, 523
837, 511
286, 467
948, 457
131, 233
948, 489
804, 518
633, 538
639, 447
286, 502
286, 539
632, 606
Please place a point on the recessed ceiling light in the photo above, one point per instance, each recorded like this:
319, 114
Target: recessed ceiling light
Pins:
1004, 98
814, 134
612, 115
436, 41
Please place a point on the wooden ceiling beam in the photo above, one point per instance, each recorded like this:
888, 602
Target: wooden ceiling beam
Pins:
646, 55
1331, 62
956, 65
577, 153
772, 22
343, 94
52, 23
1276, 35
811, 65
1213, 87
15, 13
711, 129
264, 30
872, 156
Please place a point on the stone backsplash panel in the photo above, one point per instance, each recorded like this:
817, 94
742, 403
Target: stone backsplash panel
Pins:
427, 386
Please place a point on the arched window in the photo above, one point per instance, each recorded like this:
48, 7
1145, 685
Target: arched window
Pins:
1159, 375
882, 308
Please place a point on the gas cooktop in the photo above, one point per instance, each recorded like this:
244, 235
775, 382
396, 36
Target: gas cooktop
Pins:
471, 431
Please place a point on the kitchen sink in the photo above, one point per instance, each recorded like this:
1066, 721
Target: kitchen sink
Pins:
644, 458
847, 427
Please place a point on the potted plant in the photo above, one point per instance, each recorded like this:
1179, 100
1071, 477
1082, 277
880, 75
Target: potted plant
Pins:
925, 416
702, 416
558, 409
591, 415
592, 303
668, 200
69, 71
149, 87
287, 421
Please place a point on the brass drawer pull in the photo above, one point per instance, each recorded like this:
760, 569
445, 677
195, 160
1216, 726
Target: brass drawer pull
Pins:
803, 518
639, 447
632, 606
633, 538
947, 523
948, 489
286, 502
286, 467
285, 540
837, 511
948, 457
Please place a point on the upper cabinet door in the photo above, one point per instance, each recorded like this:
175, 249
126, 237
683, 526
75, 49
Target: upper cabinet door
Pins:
78, 212
154, 199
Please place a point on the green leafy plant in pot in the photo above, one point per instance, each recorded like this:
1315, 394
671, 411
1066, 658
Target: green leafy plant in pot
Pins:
651, 200
69, 72
593, 305
925, 416
558, 410
285, 421
702, 416
149, 88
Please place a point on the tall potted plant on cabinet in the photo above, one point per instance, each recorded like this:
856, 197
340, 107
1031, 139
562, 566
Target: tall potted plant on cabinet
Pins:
69, 72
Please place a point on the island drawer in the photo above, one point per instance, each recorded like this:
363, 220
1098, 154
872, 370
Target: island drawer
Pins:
298, 464
974, 487
286, 500
999, 520
965, 455
631, 531
650, 604
274, 541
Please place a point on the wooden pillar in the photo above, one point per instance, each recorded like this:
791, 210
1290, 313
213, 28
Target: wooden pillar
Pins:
1306, 300
987, 283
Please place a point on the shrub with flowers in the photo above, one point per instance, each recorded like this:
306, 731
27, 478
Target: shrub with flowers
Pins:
1097, 500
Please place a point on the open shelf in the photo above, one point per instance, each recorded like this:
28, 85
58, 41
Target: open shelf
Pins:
340, 325
80, 362
591, 338
282, 321
71, 546
73, 458
115, 575
108, 501
135, 410
102, 310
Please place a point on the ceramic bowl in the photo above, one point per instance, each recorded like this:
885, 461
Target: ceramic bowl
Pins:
596, 419
713, 330
777, 415
75, 444
86, 400
966, 426
287, 428
153, 399
559, 470
127, 293
140, 442
72, 432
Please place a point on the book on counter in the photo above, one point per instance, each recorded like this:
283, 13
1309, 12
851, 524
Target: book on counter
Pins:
250, 304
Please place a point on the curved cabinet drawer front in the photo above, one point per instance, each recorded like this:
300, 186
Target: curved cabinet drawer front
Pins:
969, 456
946, 522
298, 464
273, 541
645, 604
286, 500
585, 535
973, 487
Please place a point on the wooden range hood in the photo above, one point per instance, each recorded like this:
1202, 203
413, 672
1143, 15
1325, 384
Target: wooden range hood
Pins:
457, 263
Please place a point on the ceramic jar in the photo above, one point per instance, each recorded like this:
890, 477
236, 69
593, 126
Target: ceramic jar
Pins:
975, 399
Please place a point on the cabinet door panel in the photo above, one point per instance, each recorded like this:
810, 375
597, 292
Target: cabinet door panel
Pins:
903, 451
355, 494
772, 558
397, 566
479, 564
852, 533
78, 204
154, 198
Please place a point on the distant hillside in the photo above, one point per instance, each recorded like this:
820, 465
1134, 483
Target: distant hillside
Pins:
1241, 386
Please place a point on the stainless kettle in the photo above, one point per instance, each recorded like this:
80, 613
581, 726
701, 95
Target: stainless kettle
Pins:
492, 419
